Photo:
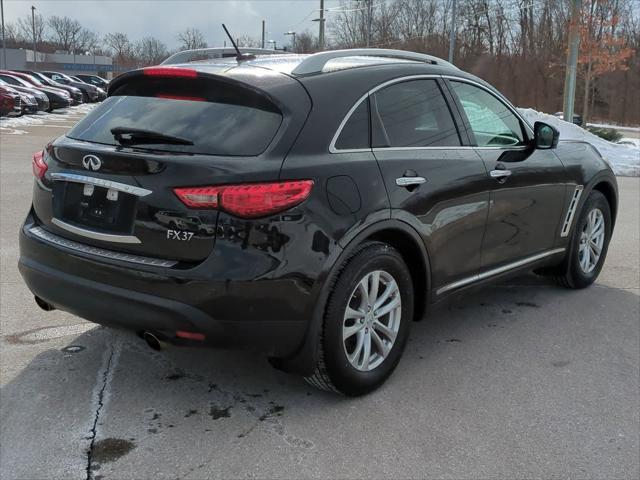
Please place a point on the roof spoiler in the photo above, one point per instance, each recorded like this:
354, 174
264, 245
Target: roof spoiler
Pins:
187, 56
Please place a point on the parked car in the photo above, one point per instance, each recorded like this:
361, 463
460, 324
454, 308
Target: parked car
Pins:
38, 100
339, 219
577, 119
75, 93
90, 93
29, 103
94, 80
10, 103
57, 98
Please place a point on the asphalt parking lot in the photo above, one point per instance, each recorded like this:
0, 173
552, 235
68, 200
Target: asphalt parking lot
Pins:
519, 380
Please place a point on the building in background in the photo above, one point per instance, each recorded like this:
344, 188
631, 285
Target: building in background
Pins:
23, 59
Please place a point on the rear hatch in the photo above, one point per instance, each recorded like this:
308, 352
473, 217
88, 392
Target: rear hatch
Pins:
114, 180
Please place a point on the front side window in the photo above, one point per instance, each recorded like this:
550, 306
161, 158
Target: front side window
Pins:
493, 124
414, 114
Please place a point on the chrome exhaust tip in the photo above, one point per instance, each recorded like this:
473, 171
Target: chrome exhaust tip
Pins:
153, 341
47, 307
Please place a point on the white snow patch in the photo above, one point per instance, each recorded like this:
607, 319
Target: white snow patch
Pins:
621, 128
72, 114
624, 159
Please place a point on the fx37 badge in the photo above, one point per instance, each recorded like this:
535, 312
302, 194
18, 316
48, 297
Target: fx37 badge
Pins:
179, 235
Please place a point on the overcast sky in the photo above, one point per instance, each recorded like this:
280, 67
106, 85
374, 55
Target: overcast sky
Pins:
163, 19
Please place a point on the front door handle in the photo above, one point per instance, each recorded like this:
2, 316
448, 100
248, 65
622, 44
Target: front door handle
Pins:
410, 181
500, 173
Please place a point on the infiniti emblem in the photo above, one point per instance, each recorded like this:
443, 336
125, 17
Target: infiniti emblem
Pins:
91, 162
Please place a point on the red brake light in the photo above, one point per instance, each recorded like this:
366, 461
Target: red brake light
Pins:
38, 165
179, 97
171, 72
190, 335
250, 200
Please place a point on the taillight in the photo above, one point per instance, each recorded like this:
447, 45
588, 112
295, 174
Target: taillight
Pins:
179, 97
170, 72
247, 201
38, 165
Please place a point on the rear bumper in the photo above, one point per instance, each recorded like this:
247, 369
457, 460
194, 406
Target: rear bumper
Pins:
160, 300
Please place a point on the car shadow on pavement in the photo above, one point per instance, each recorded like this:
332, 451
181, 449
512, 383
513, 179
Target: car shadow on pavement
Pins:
500, 345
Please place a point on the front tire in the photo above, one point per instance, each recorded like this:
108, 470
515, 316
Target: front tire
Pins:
366, 322
589, 243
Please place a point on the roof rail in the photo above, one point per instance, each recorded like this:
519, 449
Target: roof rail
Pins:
186, 56
316, 62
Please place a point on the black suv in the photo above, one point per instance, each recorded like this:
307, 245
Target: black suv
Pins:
312, 205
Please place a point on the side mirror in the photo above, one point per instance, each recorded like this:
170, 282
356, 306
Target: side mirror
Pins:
545, 136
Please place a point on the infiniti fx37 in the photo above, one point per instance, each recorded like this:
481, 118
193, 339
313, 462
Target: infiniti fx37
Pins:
314, 206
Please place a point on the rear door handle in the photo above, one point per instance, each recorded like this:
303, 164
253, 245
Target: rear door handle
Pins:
410, 181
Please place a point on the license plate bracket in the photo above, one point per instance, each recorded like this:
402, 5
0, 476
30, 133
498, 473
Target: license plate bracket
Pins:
94, 206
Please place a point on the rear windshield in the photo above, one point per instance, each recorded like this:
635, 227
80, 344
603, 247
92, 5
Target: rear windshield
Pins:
229, 126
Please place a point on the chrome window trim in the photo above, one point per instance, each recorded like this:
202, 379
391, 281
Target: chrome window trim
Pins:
500, 97
51, 238
463, 147
104, 237
571, 210
496, 271
332, 145
100, 182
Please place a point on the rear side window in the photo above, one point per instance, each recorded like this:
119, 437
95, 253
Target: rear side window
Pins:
355, 133
226, 120
414, 114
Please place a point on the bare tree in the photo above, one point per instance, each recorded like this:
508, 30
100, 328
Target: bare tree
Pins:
151, 51
306, 42
191, 38
25, 28
12, 34
121, 47
64, 32
85, 41
247, 41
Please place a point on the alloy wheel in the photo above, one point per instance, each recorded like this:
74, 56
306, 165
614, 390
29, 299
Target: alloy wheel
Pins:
591, 241
372, 320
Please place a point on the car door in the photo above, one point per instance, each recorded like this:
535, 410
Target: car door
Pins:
433, 181
528, 185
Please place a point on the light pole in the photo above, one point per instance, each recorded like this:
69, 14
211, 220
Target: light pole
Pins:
321, 26
4, 44
572, 62
263, 32
33, 27
293, 42
368, 23
452, 33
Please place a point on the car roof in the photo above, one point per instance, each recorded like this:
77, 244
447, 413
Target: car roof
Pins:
301, 64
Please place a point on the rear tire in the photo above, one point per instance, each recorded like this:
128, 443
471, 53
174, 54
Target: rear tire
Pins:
589, 244
364, 333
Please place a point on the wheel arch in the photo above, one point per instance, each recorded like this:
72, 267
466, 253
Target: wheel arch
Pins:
416, 260
611, 194
396, 233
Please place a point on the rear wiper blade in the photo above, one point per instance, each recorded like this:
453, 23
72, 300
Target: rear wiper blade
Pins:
131, 136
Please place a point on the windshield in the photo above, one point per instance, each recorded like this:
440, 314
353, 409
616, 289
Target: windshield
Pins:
233, 127
33, 79
15, 81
